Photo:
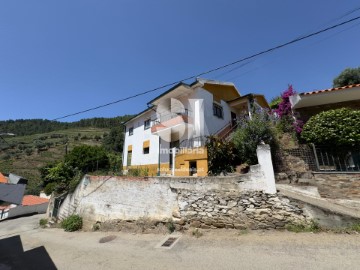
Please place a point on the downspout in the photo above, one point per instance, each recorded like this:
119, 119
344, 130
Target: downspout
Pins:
158, 173
123, 151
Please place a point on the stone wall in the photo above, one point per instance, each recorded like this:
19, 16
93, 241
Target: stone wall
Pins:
239, 210
338, 185
239, 201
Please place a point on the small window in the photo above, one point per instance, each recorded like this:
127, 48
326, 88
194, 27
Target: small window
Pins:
146, 150
131, 131
129, 156
147, 124
218, 111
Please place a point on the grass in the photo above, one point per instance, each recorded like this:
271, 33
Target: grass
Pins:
197, 233
244, 231
313, 226
170, 226
43, 222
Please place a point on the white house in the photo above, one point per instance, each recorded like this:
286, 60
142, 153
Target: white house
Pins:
168, 138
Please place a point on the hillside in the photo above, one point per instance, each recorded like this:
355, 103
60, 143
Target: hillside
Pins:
24, 155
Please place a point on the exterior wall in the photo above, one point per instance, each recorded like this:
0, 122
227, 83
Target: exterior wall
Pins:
182, 161
213, 124
338, 185
205, 202
307, 112
102, 198
136, 141
152, 169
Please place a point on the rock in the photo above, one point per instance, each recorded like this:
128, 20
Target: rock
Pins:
190, 213
240, 226
279, 217
183, 205
219, 225
176, 214
195, 224
232, 203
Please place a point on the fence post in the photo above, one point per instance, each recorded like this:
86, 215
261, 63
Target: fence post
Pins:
316, 157
264, 158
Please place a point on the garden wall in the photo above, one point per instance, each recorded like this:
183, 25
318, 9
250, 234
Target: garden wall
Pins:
240, 201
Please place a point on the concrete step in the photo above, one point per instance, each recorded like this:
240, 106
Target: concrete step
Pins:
311, 198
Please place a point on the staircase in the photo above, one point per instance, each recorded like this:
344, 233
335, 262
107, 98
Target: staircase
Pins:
225, 132
69, 206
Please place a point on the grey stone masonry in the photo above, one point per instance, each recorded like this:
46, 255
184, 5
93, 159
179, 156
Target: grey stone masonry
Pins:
230, 209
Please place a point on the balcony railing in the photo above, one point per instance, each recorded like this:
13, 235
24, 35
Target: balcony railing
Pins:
193, 142
167, 116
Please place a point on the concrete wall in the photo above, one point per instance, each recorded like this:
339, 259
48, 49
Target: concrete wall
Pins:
102, 198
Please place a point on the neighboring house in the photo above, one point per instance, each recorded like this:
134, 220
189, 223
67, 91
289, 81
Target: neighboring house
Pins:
307, 104
30, 204
169, 137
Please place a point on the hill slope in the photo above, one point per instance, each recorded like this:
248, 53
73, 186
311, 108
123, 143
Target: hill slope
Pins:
24, 155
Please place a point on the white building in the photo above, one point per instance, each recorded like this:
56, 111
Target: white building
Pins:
181, 118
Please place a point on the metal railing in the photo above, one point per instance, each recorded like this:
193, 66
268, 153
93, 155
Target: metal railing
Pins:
168, 116
193, 142
332, 159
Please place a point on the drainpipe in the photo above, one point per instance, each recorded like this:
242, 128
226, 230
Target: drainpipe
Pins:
158, 173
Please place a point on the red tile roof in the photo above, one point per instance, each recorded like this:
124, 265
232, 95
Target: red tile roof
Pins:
330, 89
3, 179
33, 200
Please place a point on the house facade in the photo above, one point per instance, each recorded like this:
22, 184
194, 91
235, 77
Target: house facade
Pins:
307, 104
168, 138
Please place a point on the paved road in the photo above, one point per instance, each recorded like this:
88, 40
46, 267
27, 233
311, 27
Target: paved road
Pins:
214, 250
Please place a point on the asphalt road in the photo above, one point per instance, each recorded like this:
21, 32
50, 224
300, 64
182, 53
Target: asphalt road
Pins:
220, 249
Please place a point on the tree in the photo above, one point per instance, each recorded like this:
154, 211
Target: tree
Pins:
114, 141
221, 155
347, 77
339, 127
88, 158
57, 177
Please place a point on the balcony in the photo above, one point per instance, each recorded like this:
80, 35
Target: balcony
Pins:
170, 120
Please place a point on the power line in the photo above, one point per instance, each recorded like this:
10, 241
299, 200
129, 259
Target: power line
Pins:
214, 69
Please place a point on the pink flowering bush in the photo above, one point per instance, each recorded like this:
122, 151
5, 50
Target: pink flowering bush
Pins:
287, 122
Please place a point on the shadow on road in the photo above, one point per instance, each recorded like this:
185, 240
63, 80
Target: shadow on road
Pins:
13, 256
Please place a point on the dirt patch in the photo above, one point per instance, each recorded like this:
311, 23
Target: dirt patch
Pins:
107, 239
134, 226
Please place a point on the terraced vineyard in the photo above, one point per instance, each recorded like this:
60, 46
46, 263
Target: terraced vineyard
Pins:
24, 155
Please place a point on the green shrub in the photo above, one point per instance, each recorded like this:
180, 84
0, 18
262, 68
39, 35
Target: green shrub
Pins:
251, 133
303, 227
43, 222
170, 226
335, 127
138, 172
72, 223
221, 155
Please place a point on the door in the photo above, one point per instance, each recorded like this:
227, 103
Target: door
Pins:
233, 119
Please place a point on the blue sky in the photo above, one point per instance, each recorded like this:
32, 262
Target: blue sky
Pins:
60, 57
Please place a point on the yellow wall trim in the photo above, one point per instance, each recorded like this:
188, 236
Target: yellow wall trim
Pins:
146, 144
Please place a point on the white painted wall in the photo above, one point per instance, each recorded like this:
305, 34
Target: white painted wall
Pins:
136, 140
212, 123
